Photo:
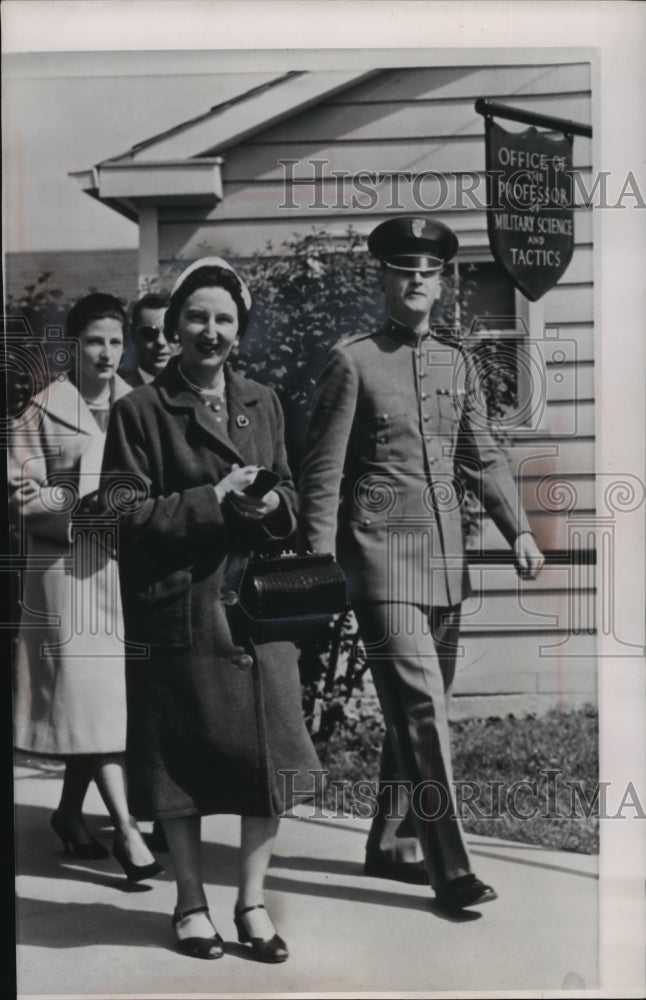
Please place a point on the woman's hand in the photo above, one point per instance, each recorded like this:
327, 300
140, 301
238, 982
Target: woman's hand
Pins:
235, 481
251, 508
254, 508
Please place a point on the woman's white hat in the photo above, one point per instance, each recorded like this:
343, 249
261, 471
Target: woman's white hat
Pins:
214, 262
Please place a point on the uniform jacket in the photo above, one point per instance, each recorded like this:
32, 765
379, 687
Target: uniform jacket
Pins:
396, 430
211, 718
69, 671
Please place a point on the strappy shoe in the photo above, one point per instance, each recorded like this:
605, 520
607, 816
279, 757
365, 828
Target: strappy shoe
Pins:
198, 947
266, 950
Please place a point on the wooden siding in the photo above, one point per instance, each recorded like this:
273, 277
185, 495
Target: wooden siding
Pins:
257, 162
527, 647
468, 82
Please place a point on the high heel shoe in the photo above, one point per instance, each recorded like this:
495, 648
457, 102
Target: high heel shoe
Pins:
93, 850
266, 950
135, 873
198, 947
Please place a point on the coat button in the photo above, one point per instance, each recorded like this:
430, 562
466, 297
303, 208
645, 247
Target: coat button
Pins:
245, 662
424, 395
229, 597
422, 374
366, 522
425, 416
383, 418
432, 460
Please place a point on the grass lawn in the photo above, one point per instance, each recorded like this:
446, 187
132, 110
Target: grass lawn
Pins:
514, 776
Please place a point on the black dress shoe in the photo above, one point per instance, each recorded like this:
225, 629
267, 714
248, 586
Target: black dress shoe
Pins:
135, 873
198, 947
413, 872
271, 949
467, 890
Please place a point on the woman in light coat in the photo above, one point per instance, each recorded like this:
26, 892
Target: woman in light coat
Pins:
215, 723
70, 665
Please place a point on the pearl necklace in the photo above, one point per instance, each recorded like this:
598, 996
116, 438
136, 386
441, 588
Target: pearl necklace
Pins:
200, 390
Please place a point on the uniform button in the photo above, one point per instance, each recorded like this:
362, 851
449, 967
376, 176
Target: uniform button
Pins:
382, 440
432, 460
383, 418
422, 374
229, 597
425, 416
366, 522
245, 662
424, 395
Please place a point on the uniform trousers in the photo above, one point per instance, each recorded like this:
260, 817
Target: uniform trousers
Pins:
412, 654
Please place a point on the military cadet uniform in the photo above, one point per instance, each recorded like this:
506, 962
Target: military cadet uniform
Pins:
397, 427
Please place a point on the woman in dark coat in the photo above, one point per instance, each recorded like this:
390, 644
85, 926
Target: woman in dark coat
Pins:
213, 720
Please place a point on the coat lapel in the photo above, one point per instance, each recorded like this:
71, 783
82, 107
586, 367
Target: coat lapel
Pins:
63, 402
242, 398
177, 397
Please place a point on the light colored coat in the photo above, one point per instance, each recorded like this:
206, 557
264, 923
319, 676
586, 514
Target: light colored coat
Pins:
70, 664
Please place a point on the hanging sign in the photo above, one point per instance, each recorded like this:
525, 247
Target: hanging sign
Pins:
530, 218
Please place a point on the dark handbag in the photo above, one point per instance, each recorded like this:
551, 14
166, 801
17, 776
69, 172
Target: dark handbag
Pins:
293, 586
293, 590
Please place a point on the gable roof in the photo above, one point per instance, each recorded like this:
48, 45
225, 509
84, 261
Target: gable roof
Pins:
234, 120
182, 162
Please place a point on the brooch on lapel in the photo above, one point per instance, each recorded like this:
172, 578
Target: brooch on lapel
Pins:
242, 421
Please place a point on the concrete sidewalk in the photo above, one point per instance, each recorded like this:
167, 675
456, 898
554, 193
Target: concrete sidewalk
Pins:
81, 931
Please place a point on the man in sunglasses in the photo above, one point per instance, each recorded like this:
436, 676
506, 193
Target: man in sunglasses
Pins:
153, 349
398, 428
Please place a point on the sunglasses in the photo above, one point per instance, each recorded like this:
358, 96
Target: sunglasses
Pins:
152, 333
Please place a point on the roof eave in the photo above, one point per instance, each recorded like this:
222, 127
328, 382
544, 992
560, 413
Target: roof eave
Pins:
123, 186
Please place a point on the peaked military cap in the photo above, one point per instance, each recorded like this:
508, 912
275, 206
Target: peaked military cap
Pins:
413, 243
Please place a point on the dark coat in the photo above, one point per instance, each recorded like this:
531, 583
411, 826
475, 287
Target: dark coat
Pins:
212, 718
396, 431
135, 381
